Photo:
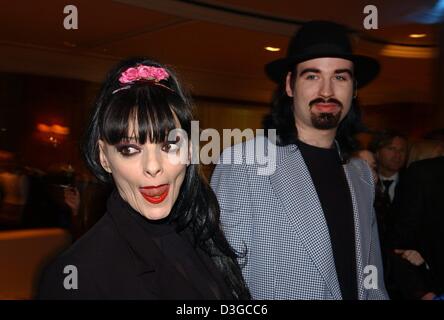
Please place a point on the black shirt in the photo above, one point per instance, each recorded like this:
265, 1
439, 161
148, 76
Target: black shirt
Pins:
125, 256
329, 179
190, 261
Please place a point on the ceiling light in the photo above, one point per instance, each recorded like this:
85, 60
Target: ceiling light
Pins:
272, 49
408, 52
418, 35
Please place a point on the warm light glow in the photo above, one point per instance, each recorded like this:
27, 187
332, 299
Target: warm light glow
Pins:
272, 49
408, 52
60, 129
418, 35
69, 44
55, 128
43, 128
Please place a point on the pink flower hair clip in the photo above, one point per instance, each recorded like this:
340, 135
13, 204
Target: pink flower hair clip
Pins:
151, 75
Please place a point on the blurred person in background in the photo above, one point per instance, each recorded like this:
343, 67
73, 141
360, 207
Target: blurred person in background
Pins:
86, 199
14, 189
425, 149
419, 232
390, 149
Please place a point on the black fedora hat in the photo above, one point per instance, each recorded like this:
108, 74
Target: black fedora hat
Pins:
319, 39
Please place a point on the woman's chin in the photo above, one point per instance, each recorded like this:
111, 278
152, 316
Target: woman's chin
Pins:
158, 212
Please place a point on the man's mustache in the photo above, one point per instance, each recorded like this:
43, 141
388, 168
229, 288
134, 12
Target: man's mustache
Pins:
321, 100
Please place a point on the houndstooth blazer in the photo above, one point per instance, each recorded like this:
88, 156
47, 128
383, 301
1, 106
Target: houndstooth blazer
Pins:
277, 222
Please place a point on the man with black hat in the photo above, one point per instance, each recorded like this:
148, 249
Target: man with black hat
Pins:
307, 230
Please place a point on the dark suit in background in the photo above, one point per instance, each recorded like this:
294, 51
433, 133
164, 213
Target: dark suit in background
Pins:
420, 222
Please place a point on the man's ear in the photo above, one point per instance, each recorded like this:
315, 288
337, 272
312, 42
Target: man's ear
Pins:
289, 85
103, 158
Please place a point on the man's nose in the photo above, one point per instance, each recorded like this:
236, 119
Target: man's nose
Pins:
326, 90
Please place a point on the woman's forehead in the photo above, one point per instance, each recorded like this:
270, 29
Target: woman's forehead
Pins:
133, 132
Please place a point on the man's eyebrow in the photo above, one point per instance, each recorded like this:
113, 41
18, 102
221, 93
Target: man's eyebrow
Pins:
307, 70
337, 71
349, 71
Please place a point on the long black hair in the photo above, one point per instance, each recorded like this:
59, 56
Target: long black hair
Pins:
157, 108
281, 118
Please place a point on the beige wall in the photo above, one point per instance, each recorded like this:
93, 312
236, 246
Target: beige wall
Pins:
228, 115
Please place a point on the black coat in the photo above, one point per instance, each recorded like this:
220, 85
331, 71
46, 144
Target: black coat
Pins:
126, 257
420, 223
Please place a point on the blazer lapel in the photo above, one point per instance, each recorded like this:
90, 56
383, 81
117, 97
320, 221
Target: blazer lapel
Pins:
293, 185
359, 189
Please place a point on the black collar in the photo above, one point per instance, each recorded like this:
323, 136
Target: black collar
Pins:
132, 232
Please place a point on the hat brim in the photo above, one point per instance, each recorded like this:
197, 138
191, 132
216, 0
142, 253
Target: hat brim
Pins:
365, 68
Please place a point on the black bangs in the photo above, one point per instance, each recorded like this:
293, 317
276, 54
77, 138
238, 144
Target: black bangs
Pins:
153, 110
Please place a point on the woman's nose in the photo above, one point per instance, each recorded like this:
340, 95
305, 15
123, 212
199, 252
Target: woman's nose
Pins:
153, 164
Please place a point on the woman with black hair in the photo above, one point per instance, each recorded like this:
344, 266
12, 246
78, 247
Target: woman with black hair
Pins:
160, 237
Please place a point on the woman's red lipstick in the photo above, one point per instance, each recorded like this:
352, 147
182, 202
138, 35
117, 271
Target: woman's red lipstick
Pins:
155, 194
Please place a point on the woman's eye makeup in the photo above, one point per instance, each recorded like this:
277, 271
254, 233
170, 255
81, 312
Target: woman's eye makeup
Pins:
172, 146
127, 149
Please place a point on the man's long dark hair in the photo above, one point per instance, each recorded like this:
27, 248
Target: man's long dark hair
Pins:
281, 118
157, 109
